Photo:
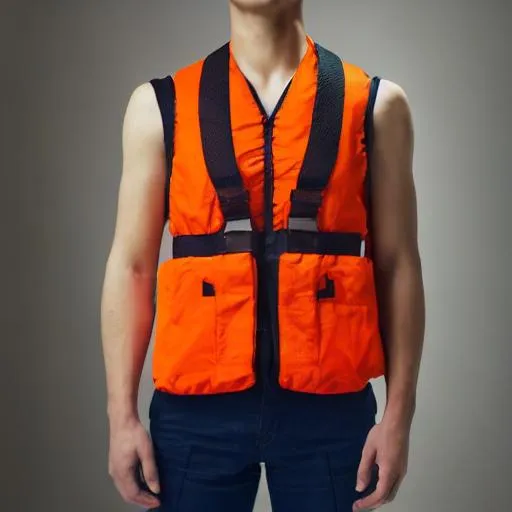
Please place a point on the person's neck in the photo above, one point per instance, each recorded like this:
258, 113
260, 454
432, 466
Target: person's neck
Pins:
265, 44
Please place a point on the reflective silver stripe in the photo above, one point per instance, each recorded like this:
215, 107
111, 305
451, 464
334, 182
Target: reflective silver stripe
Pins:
363, 248
238, 225
302, 224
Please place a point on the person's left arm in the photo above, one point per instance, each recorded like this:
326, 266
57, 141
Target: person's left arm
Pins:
399, 282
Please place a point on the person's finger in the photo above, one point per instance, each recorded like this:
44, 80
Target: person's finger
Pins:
379, 495
364, 471
149, 468
130, 491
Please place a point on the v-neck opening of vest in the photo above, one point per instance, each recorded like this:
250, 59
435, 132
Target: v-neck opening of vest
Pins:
268, 118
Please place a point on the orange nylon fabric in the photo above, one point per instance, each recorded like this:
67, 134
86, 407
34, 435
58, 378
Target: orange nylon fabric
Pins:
343, 207
205, 344
194, 207
291, 133
247, 132
327, 345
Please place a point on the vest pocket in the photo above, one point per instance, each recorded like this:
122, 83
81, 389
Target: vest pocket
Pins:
205, 324
329, 339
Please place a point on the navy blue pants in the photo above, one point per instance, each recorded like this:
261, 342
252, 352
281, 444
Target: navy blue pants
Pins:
208, 448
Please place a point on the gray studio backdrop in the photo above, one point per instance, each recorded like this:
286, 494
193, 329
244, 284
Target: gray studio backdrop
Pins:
70, 67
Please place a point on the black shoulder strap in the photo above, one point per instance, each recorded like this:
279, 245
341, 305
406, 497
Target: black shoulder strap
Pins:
216, 136
324, 137
166, 96
368, 142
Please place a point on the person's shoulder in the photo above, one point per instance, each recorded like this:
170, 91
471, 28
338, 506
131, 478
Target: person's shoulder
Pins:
392, 103
142, 110
142, 97
391, 96
142, 118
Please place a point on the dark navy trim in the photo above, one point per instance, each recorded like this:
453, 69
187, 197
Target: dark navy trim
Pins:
368, 141
257, 99
166, 97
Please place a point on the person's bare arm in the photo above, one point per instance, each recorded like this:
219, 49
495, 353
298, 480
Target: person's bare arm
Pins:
397, 260
399, 283
127, 309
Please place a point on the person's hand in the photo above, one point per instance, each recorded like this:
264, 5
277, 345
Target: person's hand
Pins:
387, 445
130, 445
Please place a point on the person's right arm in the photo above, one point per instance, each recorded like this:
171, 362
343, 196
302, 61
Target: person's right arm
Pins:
127, 308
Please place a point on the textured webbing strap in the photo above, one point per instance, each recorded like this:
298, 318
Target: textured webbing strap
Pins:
216, 243
216, 135
324, 138
166, 96
307, 242
302, 242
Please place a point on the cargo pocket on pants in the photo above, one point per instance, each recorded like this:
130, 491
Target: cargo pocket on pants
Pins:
205, 324
329, 340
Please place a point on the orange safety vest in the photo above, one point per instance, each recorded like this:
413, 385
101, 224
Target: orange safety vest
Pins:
284, 195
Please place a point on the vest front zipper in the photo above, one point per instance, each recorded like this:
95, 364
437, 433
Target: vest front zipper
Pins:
268, 177
269, 261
